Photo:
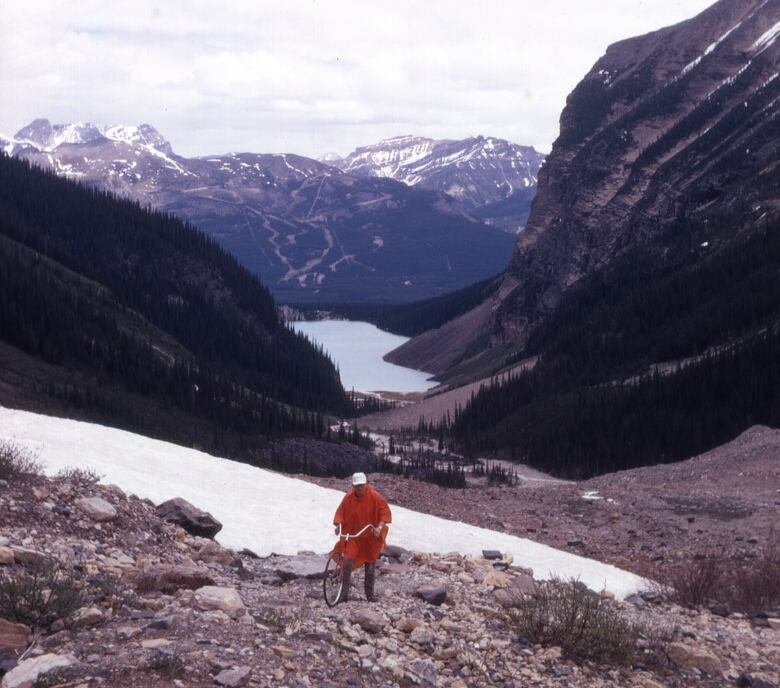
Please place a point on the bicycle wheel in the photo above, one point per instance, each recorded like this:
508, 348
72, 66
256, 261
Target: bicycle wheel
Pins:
333, 580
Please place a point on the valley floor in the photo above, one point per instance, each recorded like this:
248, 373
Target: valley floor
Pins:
644, 520
166, 609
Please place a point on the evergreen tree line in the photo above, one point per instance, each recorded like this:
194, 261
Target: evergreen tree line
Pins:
589, 406
425, 466
657, 418
363, 404
174, 276
63, 320
410, 319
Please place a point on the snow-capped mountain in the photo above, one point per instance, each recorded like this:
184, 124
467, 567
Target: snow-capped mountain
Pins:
311, 231
483, 173
42, 135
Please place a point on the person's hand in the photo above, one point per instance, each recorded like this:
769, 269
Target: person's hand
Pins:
378, 531
335, 529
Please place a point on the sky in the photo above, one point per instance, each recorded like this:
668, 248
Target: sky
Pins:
310, 76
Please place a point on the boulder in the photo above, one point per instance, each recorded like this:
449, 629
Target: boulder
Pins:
211, 597
29, 557
189, 517
97, 508
369, 620
691, 657
233, 678
407, 624
87, 616
492, 554
309, 566
424, 670
520, 587
422, 635
393, 551
14, 637
6, 556
432, 594
30, 671
213, 552
155, 643
169, 579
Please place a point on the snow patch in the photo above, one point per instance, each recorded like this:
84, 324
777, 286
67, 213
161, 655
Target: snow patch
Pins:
254, 504
766, 39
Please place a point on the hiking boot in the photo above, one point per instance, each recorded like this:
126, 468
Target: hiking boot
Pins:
369, 582
346, 580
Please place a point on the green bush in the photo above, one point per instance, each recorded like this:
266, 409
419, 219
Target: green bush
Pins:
582, 624
39, 595
16, 462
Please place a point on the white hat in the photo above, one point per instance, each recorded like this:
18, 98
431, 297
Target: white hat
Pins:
359, 479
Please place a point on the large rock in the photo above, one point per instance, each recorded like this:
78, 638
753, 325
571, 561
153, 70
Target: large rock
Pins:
211, 597
233, 678
189, 517
424, 670
213, 552
87, 616
97, 508
14, 637
6, 556
308, 566
30, 671
432, 594
521, 586
369, 620
692, 657
393, 551
169, 579
30, 557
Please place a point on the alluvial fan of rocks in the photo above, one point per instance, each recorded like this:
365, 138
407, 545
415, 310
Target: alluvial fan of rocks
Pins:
163, 607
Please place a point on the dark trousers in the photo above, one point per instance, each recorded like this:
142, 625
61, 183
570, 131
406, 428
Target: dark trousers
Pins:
370, 570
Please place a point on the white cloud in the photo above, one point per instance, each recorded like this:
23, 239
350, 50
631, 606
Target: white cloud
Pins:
310, 76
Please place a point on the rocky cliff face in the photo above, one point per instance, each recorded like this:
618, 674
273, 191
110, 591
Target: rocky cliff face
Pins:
682, 123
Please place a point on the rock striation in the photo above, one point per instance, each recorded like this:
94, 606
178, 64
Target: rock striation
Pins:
678, 124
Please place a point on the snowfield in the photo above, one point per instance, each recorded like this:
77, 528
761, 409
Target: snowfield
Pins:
266, 511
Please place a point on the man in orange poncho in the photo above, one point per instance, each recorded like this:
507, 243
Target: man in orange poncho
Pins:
361, 506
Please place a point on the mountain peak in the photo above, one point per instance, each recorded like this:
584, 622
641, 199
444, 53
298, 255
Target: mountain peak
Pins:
144, 134
477, 171
331, 157
45, 136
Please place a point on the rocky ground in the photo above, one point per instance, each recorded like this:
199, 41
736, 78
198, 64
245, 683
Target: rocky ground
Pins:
163, 607
726, 501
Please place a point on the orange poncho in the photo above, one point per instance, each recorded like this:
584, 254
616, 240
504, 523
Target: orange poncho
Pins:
355, 512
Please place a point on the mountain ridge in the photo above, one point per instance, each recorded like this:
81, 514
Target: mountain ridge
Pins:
309, 230
678, 124
480, 171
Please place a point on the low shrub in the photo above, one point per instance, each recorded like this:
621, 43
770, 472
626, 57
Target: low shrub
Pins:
109, 590
80, 476
582, 624
696, 582
755, 585
741, 585
167, 665
17, 463
39, 595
